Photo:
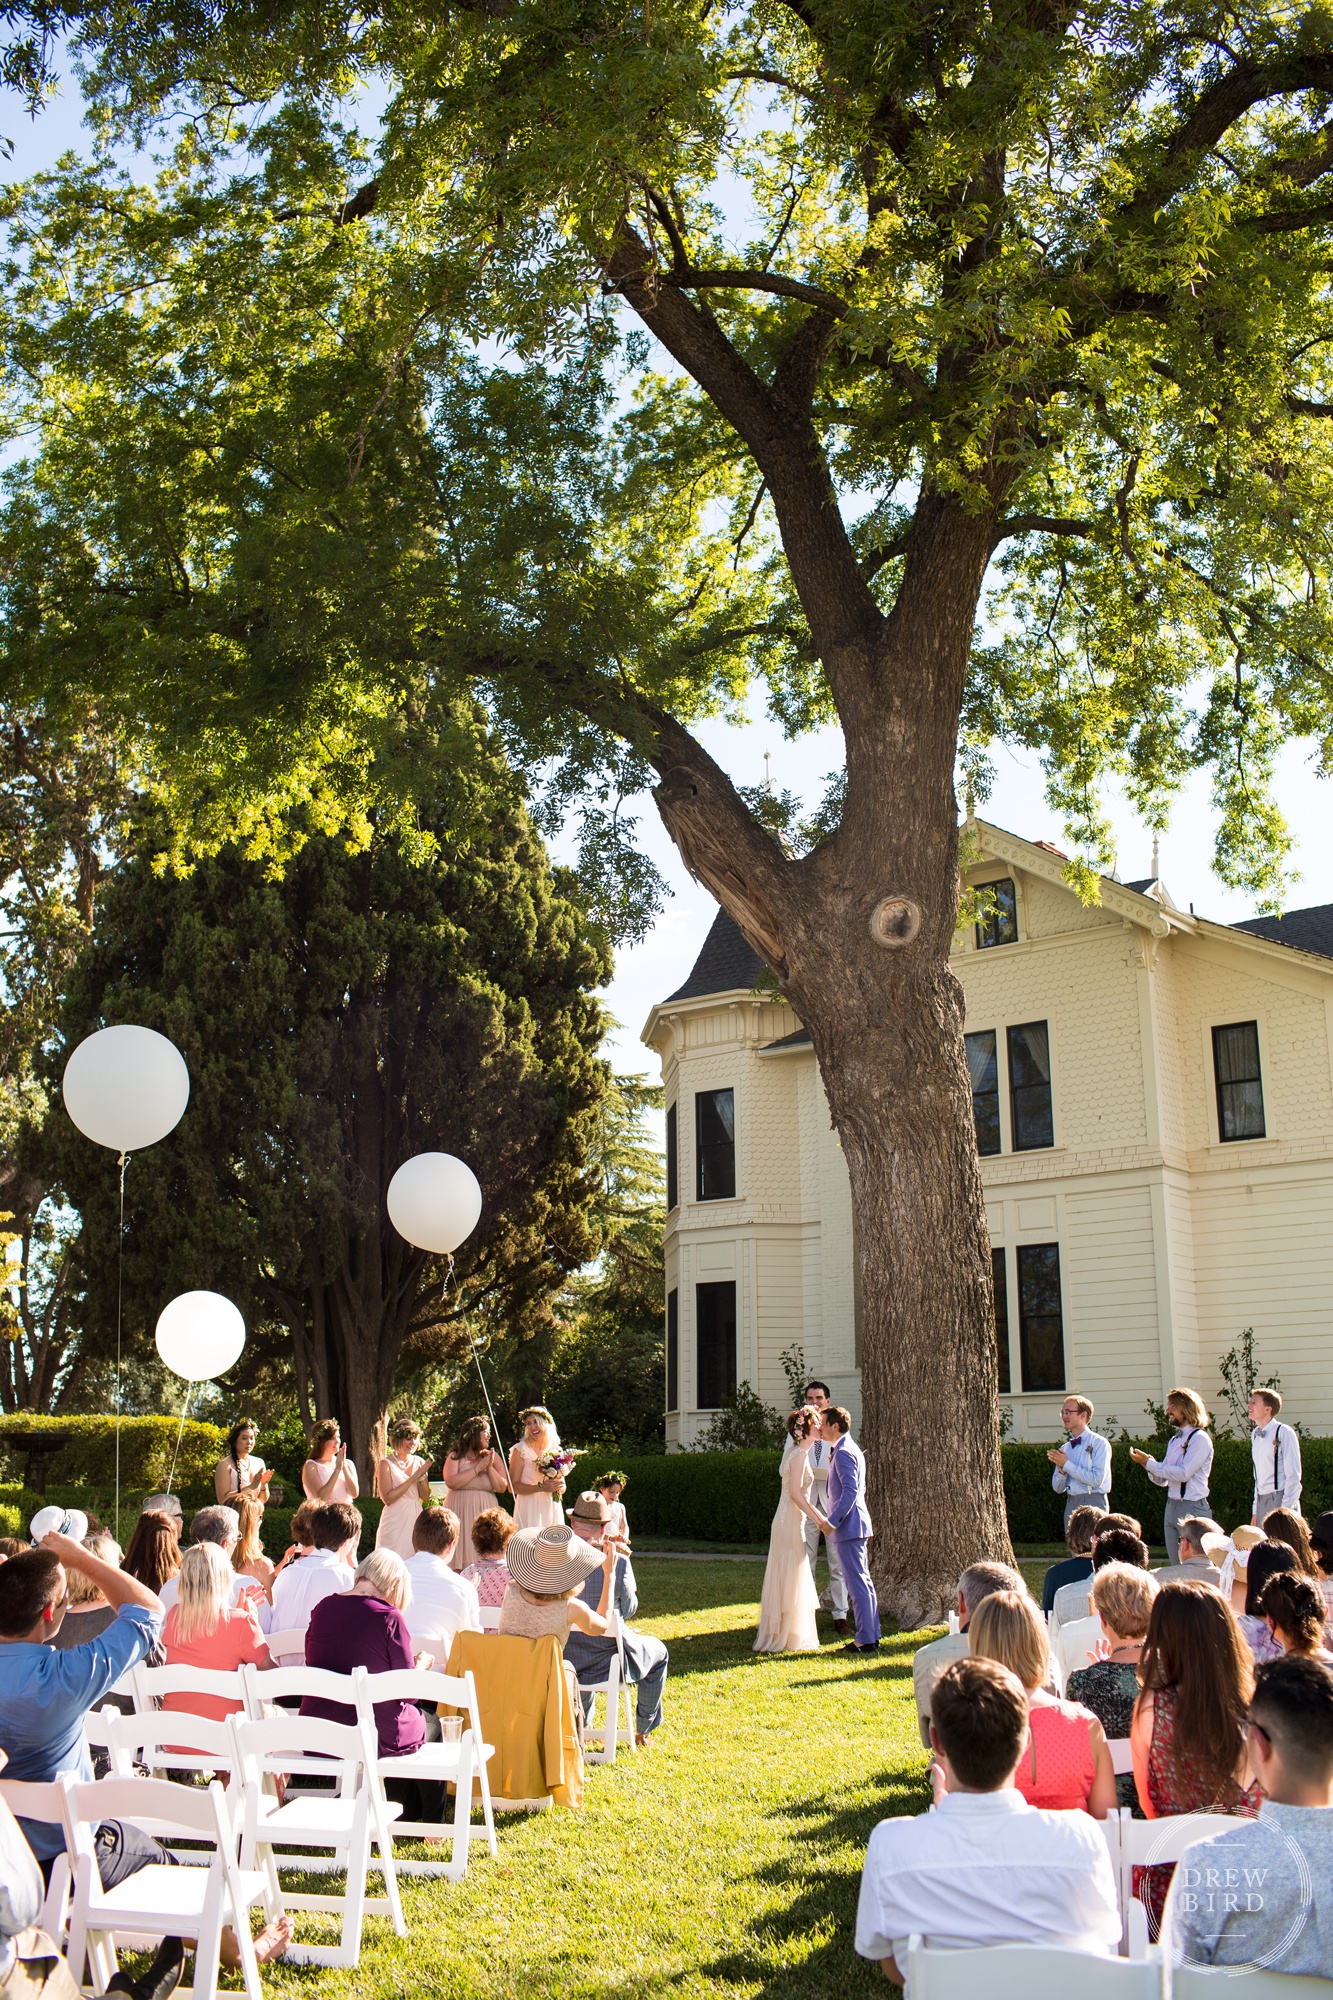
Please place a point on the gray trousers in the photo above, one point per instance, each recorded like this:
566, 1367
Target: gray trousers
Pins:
1264, 1503
837, 1587
1176, 1512
1072, 1500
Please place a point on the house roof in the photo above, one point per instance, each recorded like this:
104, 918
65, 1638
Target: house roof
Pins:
1304, 930
725, 963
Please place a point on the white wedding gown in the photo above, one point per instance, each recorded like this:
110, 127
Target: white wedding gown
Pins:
787, 1607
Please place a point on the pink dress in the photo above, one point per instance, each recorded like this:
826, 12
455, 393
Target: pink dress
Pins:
1058, 1766
467, 1502
398, 1516
315, 1469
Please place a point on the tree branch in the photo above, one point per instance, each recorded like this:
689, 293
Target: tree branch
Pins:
1219, 107
764, 281
1040, 524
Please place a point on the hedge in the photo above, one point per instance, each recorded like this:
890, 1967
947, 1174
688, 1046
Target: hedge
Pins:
730, 1496
88, 1450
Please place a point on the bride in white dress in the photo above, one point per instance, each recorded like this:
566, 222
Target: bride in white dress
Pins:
787, 1607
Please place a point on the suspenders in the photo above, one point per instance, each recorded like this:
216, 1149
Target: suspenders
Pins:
1182, 1438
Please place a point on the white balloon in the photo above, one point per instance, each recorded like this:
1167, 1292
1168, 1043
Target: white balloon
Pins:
434, 1201
199, 1335
126, 1087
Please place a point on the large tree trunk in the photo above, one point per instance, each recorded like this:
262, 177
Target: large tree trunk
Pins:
859, 935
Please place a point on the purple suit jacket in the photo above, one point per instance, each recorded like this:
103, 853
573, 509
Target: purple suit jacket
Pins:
848, 1518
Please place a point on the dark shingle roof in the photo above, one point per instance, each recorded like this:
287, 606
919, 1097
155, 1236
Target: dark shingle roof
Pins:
798, 1039
725, 963
1140, 888
1303, 930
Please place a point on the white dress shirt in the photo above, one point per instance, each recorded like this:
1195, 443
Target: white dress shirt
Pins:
441, 1605
987, 1868
301, 1586
1087, 1466
1186, 1468
1072, 1600
1075, 1646
1276, 1451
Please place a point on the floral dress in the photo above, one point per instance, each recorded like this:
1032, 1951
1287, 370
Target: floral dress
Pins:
1177, 1784
1110, 1689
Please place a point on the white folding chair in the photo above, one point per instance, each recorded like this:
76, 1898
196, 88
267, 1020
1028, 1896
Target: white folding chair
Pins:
1195, 1982
165, 1740
953, 1624
349, 1820
456, 1764
1028, 1972
490, 1617
151, 1684
190, 1903
1145, 1842
288, 1644
615, 1688
44, 1802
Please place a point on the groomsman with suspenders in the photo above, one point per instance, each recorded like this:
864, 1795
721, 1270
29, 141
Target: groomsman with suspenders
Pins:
1276, 1451
1083, 1462
1186, 1467
818, 1398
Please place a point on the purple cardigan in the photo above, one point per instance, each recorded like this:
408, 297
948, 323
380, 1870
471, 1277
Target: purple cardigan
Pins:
349, 1631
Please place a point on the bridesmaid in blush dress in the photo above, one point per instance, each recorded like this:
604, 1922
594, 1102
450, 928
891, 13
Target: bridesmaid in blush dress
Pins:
474, 1473
790, 1600
403, 1480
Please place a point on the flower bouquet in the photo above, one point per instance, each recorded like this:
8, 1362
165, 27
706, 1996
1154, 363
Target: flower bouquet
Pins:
555, 1464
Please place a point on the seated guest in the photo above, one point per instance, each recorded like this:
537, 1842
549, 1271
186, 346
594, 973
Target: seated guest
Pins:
644, 1660
87, 1612
1266, 1560
930, 1660
985, 1867
1074, 1600
154, 1552
1077, 1565
31, 1967
248, 1558
335, 1531
301, 1543
220, 1526
366, 1626
1196, 1676
489, 1574
205, 1629
1290, 1753
1321, 1547
442, 1603
10, 1545
1122, 1599
1079, 1639
548, 1568
1285, 1525
1293, 1610
1192, 1559
168, 1504
1066, 1766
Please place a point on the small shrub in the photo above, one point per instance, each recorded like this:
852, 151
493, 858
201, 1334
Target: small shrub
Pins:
744, 1423
88, 1449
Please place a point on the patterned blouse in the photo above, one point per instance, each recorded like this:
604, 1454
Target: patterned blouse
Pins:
491, 1576
1110, 1689
1259, 1639
1177, 1784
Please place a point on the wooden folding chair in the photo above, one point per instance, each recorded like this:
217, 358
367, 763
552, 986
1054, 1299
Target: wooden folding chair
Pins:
349, 1820
455, 1764
160, 1901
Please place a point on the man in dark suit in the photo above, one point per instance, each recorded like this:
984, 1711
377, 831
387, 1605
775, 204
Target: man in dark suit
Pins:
644, 1659
849, 1526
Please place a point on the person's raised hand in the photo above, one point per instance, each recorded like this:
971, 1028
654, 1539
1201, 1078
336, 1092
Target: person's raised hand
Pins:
423, 1662
71, 1553
1139, 1457
265, 1476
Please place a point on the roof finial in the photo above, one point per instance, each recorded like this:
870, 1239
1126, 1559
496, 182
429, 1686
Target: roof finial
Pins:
768, 775
1155, 863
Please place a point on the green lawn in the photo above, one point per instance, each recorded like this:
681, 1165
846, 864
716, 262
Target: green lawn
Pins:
723, 1861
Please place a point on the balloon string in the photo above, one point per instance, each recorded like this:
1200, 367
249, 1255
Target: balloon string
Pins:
120, 1298
179, 1434
495, 1428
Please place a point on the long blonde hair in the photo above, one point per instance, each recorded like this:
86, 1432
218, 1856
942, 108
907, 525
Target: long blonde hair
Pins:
1007, 1626
205, 1592
248, 1544
386, 1573
550, 1435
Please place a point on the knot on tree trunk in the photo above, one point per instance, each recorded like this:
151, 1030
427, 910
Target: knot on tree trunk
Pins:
895, 920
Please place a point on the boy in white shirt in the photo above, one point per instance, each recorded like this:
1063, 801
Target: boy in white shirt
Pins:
985, 1867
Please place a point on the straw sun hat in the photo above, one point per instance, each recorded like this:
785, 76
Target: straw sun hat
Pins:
1218, 1547
550, 1561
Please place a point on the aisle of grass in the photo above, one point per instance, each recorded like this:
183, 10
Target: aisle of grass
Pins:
723, 1861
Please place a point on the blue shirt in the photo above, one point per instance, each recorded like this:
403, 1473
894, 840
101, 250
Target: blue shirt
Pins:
45, 1694
1087, 1467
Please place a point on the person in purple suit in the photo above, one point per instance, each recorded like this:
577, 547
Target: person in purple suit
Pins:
849, 1527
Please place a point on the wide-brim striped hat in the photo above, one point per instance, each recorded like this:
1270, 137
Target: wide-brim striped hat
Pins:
550, 1561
